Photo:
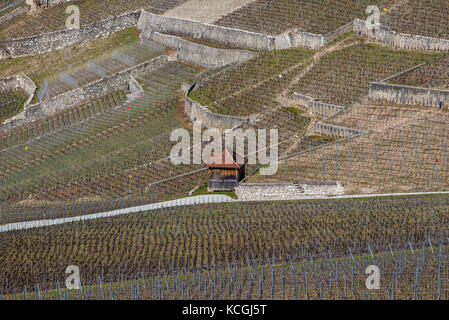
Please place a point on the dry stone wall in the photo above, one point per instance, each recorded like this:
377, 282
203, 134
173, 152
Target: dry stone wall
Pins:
71, 98
198, 30
319, 108
299, 39
325, 110
60, 39
19, 82
197, 112
258, 191
399, 40
199, 54
385, 92
331, 130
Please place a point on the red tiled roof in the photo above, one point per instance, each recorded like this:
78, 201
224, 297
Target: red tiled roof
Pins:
225, 159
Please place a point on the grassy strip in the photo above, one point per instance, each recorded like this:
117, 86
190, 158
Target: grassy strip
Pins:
203, 190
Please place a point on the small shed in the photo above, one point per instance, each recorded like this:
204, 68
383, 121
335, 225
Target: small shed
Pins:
226, 170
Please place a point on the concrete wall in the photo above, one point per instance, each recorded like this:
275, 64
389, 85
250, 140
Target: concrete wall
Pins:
400, 40
19, 82
199, 54
197, 112
408, 95
299, 39
71, 98
325, 110
319, 108
60, 39
331, 130
197, 30
256, 191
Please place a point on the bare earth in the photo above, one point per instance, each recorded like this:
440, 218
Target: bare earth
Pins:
207, 11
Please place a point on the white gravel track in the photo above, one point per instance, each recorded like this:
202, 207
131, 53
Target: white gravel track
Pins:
185, 201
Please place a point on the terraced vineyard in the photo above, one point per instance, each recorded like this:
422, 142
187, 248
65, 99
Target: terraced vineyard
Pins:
199, 237
342, 77
50, 65
247, 88
54, 18
402, 149
113, 152
92, 155
423, 17
11, 103
277, 16
435, 75
404, 275
121, 59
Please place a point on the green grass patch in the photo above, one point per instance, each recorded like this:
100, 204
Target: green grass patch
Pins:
294, 110
203, 190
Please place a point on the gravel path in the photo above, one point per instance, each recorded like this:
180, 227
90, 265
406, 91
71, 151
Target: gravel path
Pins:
166, 204
185, 201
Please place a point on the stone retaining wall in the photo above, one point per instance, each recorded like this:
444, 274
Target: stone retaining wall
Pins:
134, 86
399, 94
256, 191
399, 40
19, 82
60, 39
197, 112
319, 108
300, 39
198, 30
90, 91
331, 130
199, 54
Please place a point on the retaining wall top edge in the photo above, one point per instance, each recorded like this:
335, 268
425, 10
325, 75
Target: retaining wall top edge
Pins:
407, 87
206, 109
300, 183
343, 26
312, 99
319, 123
18, 77
212, 25
205, 46
357, 20
99, 80
303, 95
66, 30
